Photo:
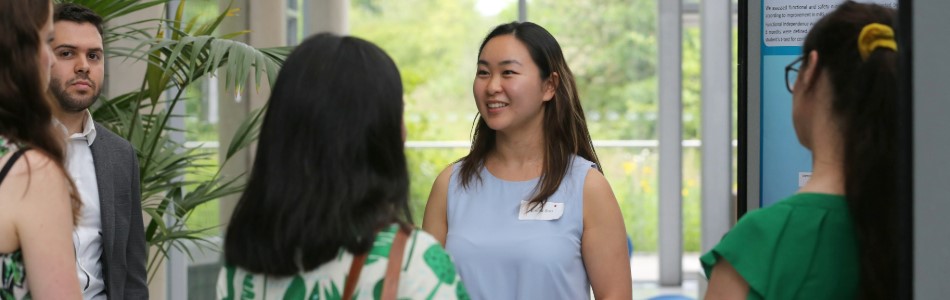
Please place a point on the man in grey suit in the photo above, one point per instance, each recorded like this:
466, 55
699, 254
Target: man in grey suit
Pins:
109, 238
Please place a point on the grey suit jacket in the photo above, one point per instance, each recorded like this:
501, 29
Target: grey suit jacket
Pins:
123, 235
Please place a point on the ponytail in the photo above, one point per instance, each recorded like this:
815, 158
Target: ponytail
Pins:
859, 53
870, 162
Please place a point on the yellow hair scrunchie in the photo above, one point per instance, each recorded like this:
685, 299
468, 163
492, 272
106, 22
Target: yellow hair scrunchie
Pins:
873, 36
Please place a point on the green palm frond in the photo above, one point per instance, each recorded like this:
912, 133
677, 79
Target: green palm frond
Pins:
247, 133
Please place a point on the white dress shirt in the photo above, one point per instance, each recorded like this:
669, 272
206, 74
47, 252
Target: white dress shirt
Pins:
87, 236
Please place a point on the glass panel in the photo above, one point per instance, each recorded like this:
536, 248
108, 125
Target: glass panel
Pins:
202, 280
613, 57
292, 31
294, 21
612, 54
425, 164
201, 124
201, 131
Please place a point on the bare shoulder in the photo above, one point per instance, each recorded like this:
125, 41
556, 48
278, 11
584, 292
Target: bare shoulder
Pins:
603, 244
444, 176
440, 190
30, 161
435, 220
35, 182
597, 189
600, 204
33, 168
37, 186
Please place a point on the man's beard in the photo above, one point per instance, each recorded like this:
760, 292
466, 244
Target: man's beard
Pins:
69, 103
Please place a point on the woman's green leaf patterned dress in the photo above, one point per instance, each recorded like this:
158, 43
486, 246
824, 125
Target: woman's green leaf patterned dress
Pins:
428, 274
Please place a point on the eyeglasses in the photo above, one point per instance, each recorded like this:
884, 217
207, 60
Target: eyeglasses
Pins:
791, 73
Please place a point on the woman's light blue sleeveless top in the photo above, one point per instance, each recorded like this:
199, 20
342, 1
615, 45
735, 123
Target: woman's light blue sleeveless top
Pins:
500, 256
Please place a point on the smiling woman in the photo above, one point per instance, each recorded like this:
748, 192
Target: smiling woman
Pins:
523, 201
508, 80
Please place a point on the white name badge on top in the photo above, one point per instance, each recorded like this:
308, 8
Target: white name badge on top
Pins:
550, 211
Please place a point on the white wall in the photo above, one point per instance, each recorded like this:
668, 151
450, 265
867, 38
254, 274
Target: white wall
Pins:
931, 148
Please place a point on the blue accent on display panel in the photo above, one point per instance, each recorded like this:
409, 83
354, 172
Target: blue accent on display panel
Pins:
782, 156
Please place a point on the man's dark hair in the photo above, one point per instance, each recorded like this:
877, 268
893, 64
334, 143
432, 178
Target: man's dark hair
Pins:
77, 13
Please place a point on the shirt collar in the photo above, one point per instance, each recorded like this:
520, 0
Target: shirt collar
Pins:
88, 129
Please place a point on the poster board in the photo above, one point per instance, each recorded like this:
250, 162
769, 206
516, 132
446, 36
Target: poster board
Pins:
772, 163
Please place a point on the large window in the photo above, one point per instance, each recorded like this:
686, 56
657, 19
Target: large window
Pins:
201, 131
613, 56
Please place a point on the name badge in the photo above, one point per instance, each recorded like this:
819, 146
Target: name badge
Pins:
550, 211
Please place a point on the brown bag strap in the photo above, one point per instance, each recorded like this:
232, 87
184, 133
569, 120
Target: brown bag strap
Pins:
354, 275
391, 281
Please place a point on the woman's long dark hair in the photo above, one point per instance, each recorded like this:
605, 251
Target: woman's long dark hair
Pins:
330, 168
865, 103
25, 107
565, 127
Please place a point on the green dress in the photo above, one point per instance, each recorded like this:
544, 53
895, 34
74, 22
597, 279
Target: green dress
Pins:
13, 276
800, 248
4, 148
12, 269
427, 273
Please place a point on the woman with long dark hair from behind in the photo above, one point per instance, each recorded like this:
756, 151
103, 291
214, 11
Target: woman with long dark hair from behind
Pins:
835, 238
326, 205
527, 214
37, 203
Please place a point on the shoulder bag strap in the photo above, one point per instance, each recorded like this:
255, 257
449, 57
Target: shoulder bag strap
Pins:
391, 281
354, 275
10, 162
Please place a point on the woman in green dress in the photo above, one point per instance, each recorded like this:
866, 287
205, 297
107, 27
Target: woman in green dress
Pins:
329, 185
835, 238
37, 201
